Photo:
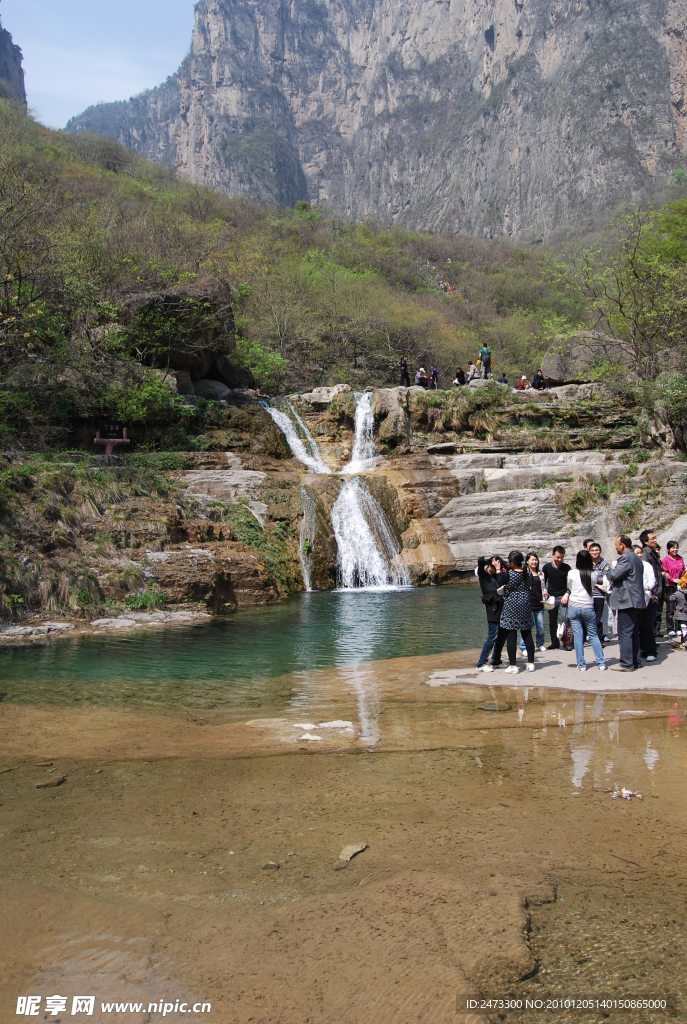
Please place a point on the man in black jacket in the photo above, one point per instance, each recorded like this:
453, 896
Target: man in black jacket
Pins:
556, 582
492, 574
650, 544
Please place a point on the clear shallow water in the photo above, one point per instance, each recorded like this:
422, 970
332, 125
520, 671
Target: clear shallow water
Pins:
251, 660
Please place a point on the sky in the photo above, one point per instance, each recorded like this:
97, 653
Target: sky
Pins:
80, 52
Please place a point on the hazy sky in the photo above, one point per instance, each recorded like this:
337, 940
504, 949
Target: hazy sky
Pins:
79, 52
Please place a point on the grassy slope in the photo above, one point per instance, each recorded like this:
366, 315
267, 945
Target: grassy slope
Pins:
87, 226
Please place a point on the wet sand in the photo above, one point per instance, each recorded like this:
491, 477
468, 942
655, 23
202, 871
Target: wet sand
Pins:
498, 862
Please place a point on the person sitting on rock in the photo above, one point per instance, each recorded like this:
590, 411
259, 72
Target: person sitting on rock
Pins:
421, 378
523, 383
471, 372
459, 378
539, 381
502, 378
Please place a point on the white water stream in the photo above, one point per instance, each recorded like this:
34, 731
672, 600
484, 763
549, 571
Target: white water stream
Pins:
367, 548
303, 448
364, 450
368, 552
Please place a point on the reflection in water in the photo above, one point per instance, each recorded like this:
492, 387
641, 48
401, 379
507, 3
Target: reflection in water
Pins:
360, 678
581, 759
651, 755
606, 752
367, 700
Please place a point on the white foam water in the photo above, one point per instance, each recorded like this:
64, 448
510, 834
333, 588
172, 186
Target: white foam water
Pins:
367, 548
364, 449
303, 448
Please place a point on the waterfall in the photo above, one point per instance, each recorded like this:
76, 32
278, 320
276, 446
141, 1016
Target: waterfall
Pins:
364, 449
367, 548
368, 552
307, 535
305, 450
305, 431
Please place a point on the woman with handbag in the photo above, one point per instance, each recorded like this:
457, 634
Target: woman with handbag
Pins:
516, 614
579, 602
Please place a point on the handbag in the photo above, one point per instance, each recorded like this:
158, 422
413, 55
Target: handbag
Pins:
564, 631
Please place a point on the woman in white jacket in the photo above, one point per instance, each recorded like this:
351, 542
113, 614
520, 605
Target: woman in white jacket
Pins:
580, 605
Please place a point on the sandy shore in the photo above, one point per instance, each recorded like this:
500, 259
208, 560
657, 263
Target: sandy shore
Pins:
497, 862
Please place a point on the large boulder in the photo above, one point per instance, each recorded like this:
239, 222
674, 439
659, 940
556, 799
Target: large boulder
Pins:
321, 398
391, 415
222, 576
180, 329
572, 360
231, 374
213, 389
568, 393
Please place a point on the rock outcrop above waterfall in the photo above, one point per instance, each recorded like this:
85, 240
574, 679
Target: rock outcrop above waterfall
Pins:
513, 117
11, 71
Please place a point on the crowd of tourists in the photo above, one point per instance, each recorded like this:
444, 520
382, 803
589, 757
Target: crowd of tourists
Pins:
587, 604
480, 369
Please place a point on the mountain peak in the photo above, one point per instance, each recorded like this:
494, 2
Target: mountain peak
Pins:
11, 72
518, 118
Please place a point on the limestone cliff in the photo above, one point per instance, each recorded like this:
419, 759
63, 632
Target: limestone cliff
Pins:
511, 117
11, 73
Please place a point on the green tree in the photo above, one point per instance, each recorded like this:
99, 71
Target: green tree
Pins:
639, 295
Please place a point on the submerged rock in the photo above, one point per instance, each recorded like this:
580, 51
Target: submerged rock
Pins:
352, 850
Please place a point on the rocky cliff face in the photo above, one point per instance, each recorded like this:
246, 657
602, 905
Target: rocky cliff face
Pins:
511, 117
11, 73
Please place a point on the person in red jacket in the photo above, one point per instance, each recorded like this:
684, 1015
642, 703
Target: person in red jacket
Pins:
673, 566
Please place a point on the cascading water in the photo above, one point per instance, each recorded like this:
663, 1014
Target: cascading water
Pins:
368, 552
364, 450
305, 450
367, 547
305, 431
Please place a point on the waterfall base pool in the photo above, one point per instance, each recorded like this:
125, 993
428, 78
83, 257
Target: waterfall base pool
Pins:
241, 662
